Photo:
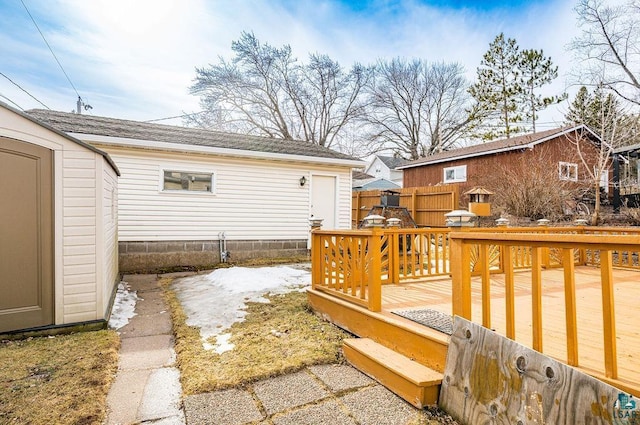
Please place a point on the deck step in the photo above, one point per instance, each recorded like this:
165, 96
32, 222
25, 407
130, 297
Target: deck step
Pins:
417, 384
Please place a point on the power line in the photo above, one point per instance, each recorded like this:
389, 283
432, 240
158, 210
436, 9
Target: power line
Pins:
177, 116
50, 49
12, 102
18, 86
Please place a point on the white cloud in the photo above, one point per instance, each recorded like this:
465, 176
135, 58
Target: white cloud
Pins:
136, 59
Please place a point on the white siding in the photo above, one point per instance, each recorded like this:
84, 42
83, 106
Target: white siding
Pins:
253, 199
80, 293
110, 235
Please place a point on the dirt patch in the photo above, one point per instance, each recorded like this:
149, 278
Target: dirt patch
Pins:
62, 379
276, 338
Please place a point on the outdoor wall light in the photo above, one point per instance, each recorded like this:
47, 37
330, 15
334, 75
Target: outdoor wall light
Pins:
303, 181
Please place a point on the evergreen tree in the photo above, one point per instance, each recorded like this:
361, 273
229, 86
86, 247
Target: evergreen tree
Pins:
498, 88
579, 112
599, 111
536, 71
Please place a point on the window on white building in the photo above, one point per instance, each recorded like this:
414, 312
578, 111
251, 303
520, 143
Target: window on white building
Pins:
187, 181
455, 174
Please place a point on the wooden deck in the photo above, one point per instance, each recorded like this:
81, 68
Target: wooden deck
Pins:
436, 295
571, 293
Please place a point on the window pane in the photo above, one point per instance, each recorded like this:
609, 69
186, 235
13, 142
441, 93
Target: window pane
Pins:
195, 182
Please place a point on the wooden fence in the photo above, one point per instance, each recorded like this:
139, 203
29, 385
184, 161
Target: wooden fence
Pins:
427, 205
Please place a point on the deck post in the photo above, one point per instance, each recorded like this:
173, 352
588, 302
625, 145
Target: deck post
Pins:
536, 296
570, 305
460, 276
394, 257
375, 269
510, 297
316, 260
486, 285
609, 315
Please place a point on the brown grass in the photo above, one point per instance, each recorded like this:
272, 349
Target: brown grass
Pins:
57, 380
276, 338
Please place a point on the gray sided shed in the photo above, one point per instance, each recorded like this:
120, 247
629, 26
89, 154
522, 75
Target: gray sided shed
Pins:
58, 227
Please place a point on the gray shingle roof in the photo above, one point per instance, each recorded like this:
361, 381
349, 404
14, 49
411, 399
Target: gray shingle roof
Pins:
63, 134
103, 126
492, 147
391, 161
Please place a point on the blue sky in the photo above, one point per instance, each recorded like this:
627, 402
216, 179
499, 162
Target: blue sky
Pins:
135, 59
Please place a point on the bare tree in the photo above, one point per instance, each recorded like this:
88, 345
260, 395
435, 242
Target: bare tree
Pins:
614, 129
610, 45
417, 109
265, 90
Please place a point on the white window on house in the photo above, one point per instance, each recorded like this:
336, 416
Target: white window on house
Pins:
187, 181
568, 171
455, 174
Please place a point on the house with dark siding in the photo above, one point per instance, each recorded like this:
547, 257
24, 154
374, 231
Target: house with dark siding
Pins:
469, 166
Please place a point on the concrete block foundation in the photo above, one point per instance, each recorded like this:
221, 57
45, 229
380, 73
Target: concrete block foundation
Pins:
140, 256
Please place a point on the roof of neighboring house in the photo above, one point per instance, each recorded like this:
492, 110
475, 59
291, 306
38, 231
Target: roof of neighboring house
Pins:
504, 145
112, 127
63, 134
391, 161
360, 175
373, 183
630, 148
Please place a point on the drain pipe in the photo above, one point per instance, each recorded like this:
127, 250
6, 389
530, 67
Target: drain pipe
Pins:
224, 254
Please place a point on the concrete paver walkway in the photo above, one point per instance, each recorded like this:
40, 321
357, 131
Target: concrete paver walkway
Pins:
147, 387
317, 395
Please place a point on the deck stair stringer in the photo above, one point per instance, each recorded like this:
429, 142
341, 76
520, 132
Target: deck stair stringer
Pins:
414, 382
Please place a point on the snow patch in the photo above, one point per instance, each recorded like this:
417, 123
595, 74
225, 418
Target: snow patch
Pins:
215, 301
123, 306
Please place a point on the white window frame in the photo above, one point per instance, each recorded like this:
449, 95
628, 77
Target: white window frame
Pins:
564, 172
179, 169
459, 174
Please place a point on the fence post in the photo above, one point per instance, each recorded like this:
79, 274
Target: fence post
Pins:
375, 269
460, 276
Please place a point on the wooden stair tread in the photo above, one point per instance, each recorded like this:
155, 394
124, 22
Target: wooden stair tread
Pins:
410, 370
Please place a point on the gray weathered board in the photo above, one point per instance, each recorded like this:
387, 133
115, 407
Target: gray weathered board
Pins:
490, 379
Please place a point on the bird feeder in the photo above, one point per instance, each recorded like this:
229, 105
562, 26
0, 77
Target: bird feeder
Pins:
479, 201
460, 218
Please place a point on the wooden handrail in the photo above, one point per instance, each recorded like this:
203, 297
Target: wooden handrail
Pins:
602, 245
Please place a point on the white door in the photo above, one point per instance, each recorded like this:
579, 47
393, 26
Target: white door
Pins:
323, 200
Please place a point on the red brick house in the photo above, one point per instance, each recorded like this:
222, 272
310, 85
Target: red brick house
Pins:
470, 166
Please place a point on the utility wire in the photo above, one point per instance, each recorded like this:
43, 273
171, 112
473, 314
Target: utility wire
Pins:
18, 86
11, 101
177, 116
50, 49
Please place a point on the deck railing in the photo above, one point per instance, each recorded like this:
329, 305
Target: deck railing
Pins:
348, 264
600, 248
352, 264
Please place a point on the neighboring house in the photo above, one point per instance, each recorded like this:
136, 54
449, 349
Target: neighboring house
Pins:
384, 167
58, 227
626, 176
191, 197
469, 166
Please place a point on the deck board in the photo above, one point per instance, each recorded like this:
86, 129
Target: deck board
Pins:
436, 295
